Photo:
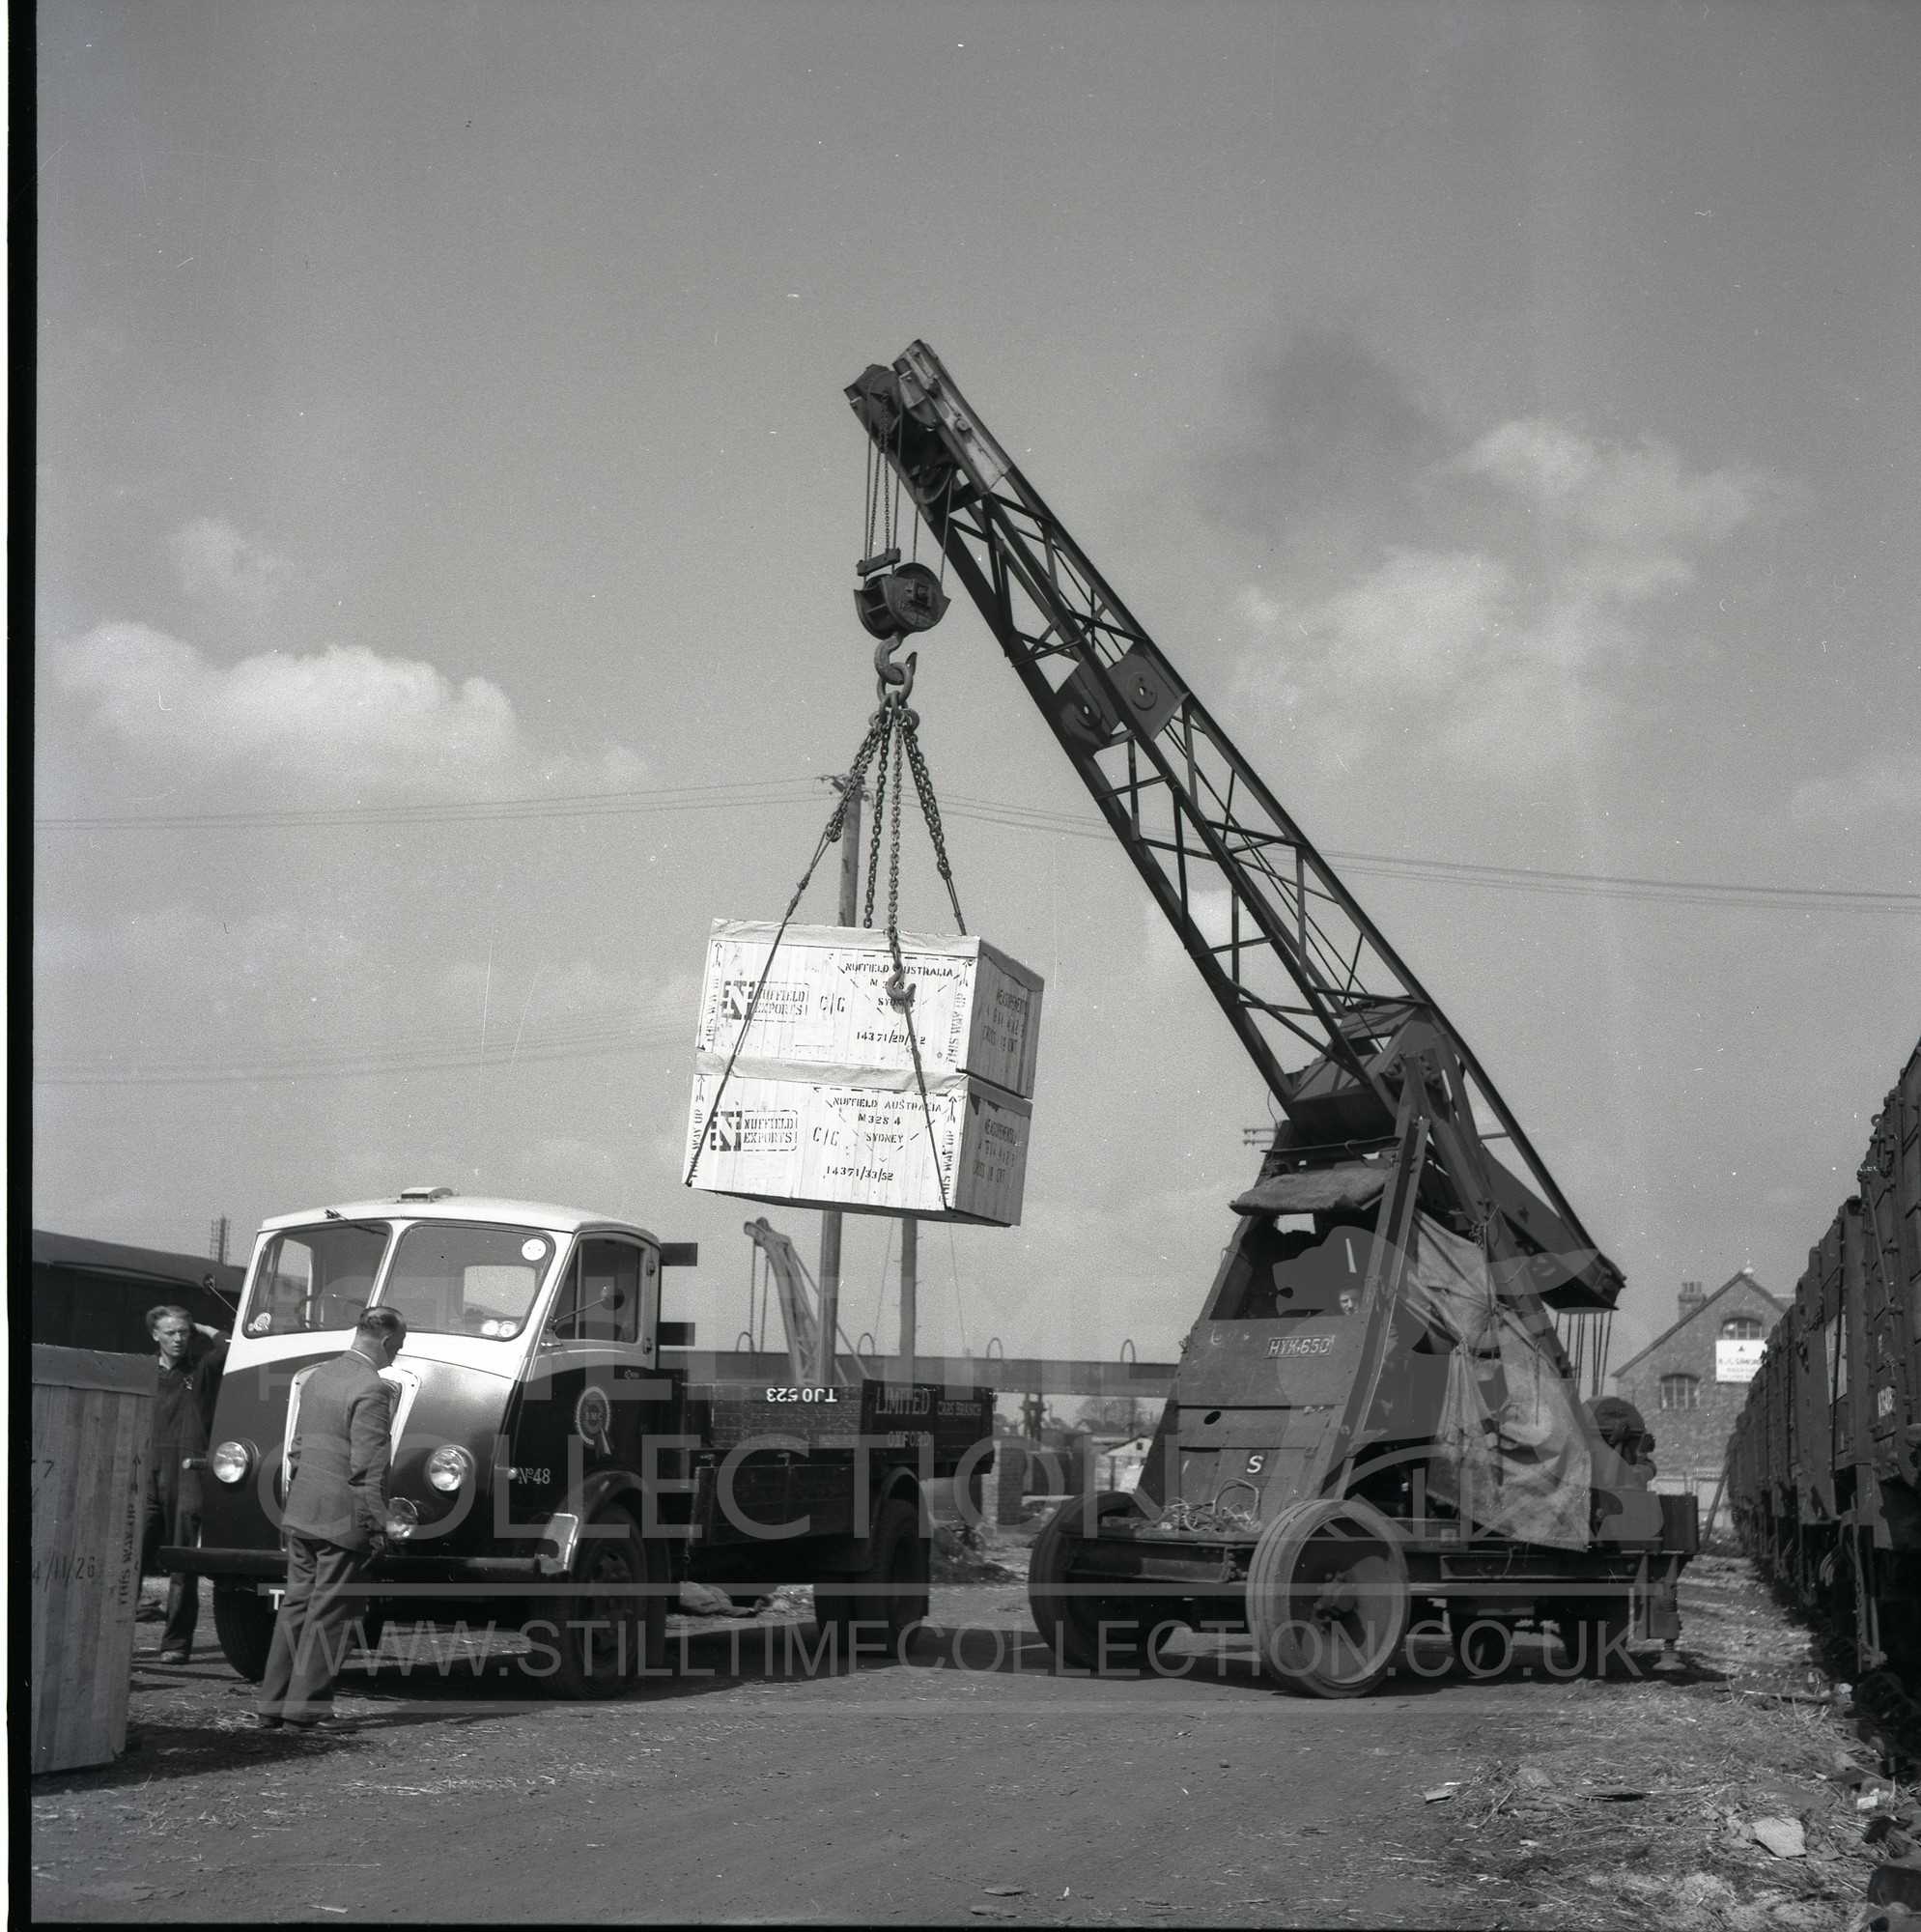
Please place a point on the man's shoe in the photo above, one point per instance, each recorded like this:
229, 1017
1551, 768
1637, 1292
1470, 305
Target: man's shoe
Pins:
322, 1726
174, 1657
266, 1721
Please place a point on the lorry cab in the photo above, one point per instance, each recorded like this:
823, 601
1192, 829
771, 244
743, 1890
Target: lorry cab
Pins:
529, 1379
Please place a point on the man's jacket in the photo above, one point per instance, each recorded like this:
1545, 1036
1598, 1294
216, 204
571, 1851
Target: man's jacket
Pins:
183, 1400
338, 1489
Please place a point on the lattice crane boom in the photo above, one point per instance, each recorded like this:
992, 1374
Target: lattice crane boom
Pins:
1327, 1010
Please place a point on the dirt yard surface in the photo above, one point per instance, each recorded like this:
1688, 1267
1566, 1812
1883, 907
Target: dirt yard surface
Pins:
970, 1784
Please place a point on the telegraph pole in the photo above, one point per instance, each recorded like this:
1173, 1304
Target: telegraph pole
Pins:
852, 789
910, 1283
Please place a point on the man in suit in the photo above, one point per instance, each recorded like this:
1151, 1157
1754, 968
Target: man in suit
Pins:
334, 1521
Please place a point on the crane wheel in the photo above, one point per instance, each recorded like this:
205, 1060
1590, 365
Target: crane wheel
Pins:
1083, 1630
1594, 1633
1327, 1597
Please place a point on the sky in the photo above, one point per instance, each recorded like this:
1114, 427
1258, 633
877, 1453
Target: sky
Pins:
1505, 417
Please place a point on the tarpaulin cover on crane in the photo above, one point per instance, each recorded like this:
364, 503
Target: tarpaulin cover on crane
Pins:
1509, 1453
1317, 1190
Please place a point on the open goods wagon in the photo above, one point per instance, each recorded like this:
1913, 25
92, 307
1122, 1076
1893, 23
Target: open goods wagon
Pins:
1824, 1463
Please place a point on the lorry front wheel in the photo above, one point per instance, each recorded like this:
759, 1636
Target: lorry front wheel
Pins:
891, 1595
614, 1626
244, 1622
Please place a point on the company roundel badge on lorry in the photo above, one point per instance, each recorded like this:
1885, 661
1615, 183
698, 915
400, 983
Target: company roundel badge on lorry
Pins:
592, 1413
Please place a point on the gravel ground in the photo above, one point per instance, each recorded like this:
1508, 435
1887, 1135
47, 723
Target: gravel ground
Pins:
974, 1784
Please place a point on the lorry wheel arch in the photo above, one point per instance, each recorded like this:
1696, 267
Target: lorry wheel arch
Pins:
608, 1577
901, 1486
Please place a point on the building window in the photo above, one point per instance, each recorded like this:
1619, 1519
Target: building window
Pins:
1680, 1392
1741, 1329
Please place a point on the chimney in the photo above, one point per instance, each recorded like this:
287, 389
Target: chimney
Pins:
1692, 1295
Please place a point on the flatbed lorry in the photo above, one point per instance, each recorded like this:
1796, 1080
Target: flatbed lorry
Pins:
553, 1471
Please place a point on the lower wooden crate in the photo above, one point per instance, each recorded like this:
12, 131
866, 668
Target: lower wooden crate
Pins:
92, 1438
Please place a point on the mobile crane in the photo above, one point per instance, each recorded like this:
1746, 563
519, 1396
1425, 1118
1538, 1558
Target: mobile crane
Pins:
1374, 1411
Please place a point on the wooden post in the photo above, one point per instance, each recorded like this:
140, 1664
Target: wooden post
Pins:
1714, 1507
909, 1288
829, 1221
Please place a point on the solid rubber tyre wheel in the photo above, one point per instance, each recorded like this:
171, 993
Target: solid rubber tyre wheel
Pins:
1087, 1630
1327, 1597
1591, 1629
892, 1592
244, 1622
612, 1625
1481, 1648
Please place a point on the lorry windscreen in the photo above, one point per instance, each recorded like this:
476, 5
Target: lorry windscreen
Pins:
316, 1277
464, 1278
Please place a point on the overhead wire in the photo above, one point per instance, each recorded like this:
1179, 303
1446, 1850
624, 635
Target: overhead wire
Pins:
799, 791
601, 1034
711, 797
423, 1055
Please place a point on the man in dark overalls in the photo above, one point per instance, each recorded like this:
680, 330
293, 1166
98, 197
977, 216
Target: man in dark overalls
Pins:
188, 1379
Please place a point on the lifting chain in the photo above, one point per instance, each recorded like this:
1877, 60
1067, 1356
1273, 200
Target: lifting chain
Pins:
897, 726
1214, 1515
891, 741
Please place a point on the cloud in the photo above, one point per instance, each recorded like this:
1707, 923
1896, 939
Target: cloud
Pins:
1638, 498
341, 724
1889, 782
1423, 618
217, 564
562, 996
1503, 637
1212, 910
1334, 434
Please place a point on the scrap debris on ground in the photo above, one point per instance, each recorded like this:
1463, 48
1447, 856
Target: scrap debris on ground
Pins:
1736, 1793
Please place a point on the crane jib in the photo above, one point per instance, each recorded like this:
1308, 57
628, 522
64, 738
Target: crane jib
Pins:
1340, 1029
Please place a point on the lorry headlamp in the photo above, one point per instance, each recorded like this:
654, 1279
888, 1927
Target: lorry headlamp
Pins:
403, 1518
232, 1461
449, 1468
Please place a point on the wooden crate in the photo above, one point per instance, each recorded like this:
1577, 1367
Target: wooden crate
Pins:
91, 1438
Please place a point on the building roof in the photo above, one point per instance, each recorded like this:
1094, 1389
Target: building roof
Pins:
76, 1251
1734, 1280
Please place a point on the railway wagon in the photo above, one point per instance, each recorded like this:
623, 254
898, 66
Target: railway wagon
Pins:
1825, 1464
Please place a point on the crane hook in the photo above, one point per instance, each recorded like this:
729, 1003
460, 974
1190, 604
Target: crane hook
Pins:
896, 680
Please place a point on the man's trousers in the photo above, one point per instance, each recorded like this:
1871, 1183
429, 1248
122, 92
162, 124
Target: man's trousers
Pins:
170, 1514
315, 1629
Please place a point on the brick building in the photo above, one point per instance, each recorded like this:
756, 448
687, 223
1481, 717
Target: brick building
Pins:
1691, 1381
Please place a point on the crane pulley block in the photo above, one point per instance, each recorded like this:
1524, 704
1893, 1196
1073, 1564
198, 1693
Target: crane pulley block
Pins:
891, 603
1149, 698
